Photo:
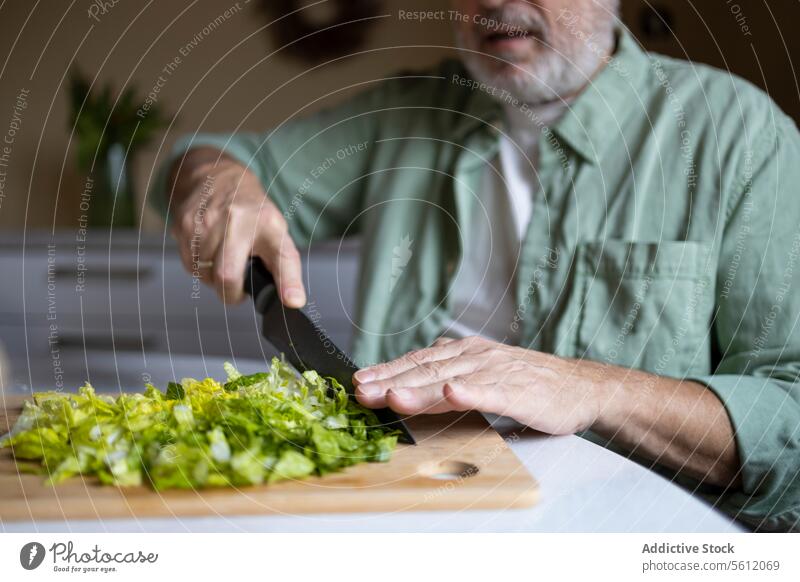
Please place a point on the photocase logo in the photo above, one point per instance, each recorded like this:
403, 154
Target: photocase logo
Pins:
401, 254
31, 555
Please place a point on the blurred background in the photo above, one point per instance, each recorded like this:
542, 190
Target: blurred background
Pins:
75, 305
222, 82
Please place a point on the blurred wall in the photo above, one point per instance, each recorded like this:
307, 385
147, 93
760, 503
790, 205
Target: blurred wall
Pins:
222, 81
755, 39
220, 84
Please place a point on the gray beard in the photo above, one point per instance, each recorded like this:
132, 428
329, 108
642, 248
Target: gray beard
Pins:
553, 76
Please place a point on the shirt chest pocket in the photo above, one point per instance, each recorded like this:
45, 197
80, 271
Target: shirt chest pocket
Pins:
645, 305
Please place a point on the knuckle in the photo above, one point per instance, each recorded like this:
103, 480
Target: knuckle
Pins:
208, 218
390, 368
520, 366
273, 220
417, 357
289, 252
475, 344
494, 353
235, 212
435, 369
185, 225
394, 367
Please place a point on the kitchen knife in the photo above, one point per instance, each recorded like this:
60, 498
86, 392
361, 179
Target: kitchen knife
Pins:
304, 344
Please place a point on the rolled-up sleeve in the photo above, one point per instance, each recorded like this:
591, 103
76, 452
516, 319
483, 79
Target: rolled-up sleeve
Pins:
312, 167
757, 332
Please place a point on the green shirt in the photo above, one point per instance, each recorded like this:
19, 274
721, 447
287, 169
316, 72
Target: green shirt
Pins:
664, 236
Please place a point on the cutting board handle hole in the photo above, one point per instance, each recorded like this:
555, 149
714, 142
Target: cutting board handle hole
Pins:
448, 470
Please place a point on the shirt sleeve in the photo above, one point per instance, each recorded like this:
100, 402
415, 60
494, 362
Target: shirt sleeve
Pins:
757, 332
313, 168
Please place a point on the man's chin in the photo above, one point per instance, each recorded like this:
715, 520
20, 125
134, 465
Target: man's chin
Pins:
523, 80
504, 67
511, 74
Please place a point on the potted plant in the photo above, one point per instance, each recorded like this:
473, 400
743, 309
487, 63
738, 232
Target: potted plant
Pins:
109, 133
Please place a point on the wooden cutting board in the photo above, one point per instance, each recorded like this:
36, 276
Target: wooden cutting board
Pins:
459, 463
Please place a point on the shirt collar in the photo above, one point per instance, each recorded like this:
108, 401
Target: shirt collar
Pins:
594, 119
481, 113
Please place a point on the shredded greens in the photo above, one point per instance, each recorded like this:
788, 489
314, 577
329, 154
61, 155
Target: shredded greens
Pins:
250, 430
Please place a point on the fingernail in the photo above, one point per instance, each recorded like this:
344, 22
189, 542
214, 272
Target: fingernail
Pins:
370, 389
293, 295
365, 375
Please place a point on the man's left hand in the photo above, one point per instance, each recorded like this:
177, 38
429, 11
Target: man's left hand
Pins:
546, 392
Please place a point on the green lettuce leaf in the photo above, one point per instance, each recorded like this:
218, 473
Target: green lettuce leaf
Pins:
253, 429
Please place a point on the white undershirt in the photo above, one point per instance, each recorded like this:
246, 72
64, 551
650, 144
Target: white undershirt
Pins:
483, 297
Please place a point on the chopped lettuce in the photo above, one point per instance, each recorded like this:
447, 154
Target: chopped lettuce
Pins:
254, 429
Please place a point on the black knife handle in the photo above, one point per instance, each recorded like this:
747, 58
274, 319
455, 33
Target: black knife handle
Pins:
257, 277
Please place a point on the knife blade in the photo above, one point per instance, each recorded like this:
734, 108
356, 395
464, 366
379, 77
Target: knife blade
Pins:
305, 344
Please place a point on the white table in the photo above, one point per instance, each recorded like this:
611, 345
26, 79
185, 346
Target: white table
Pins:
584, 487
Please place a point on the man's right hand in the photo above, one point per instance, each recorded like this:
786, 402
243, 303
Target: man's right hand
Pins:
222, 216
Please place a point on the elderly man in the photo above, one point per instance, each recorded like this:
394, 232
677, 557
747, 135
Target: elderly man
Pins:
588, 237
